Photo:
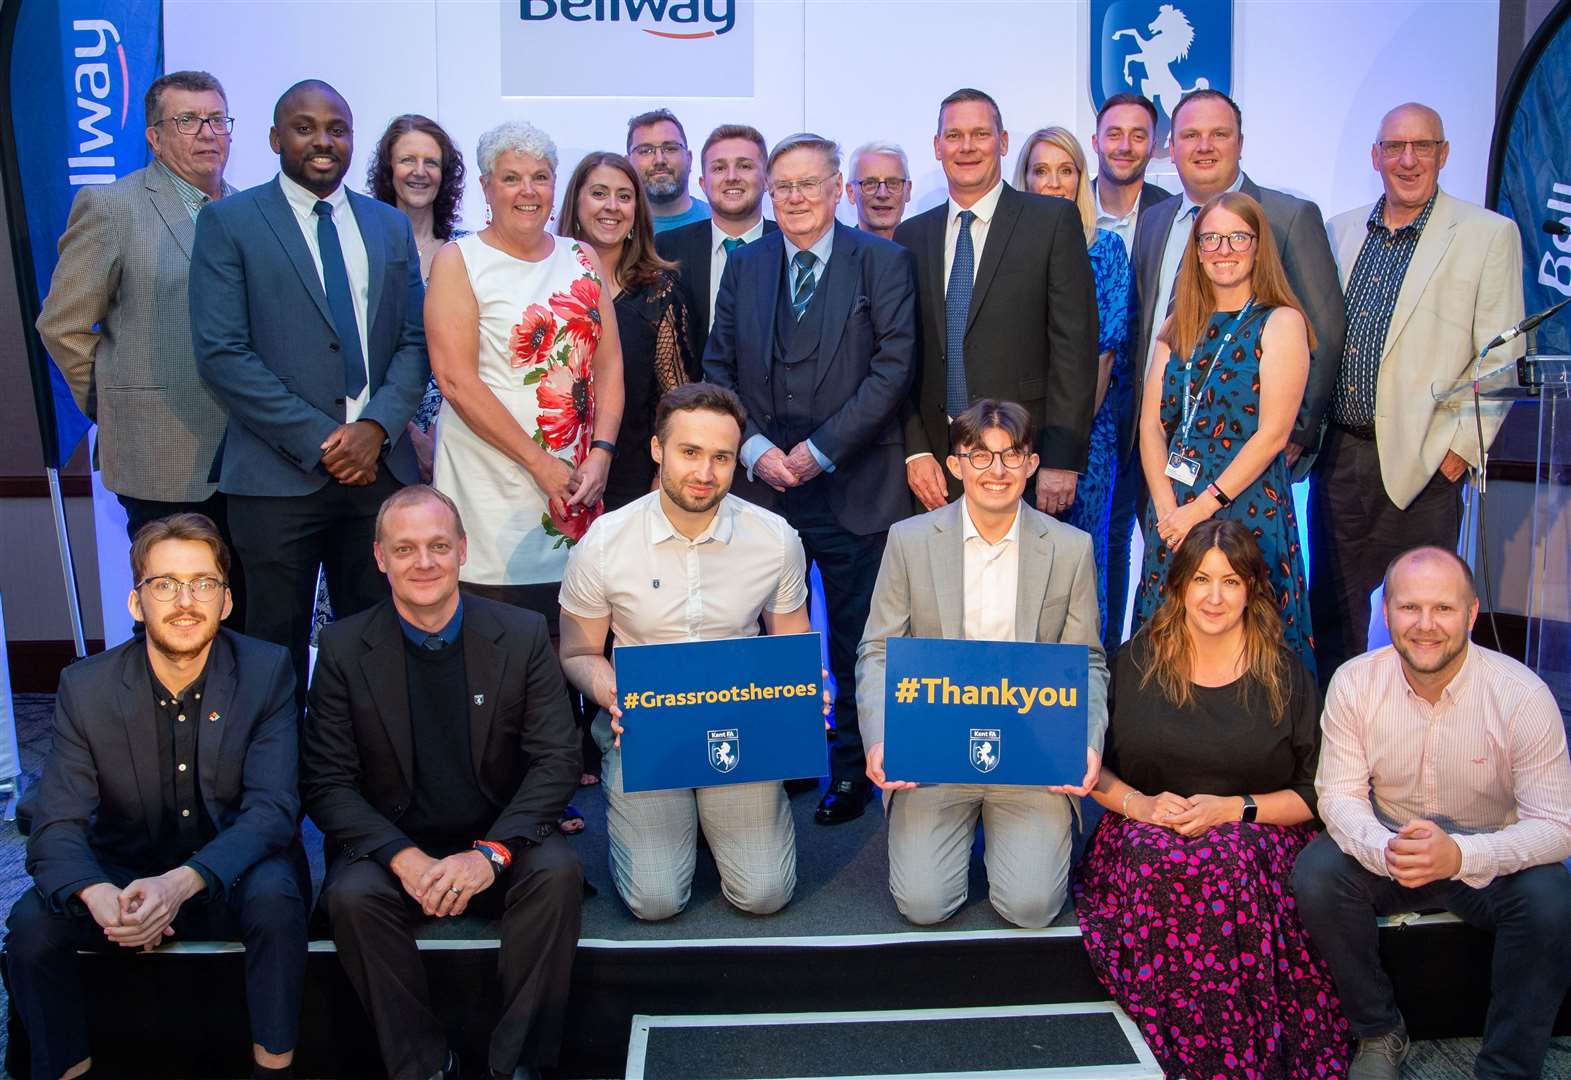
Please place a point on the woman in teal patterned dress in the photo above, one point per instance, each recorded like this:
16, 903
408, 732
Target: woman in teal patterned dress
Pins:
1053, 163
1225, 385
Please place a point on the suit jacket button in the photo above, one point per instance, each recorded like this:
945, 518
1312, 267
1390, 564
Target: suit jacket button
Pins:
333, 347
338, 401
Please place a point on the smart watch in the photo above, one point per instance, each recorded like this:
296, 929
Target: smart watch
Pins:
1250, 809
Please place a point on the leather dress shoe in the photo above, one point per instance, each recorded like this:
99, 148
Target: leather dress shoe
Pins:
844, 801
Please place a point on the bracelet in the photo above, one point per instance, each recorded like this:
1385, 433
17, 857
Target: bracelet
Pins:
496, 854
1123, 807
603, 444
1218, 494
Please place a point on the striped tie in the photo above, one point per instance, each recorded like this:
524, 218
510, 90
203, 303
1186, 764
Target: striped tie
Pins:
957, 306
802, 287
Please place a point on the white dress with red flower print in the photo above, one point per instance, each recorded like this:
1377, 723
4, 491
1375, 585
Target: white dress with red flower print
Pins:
539, 328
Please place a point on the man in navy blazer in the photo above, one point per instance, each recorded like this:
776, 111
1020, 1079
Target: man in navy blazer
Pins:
815, 329
306, 319
167, 808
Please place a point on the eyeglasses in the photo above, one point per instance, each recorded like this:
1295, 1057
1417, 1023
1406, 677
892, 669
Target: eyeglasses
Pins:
810, 188
1238, 241
165, 589
190, 124
982, 460
871, 184
1422, 148
665, 149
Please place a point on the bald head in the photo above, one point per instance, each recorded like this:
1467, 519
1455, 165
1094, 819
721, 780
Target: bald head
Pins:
1437, 566
314, 136
292, 98
1407, 114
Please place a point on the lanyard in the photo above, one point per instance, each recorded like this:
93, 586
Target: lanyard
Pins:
1191, 401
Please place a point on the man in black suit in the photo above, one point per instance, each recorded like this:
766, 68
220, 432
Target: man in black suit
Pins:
438, 755
1008, 309
167, 808
1123, 144
815, 330
731, 175
1207, 144
306, 320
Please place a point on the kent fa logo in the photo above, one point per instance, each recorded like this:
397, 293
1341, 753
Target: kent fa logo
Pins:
725, 750
987, 748
1161, 50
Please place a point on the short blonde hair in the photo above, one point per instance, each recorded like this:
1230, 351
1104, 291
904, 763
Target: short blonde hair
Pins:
1065, 140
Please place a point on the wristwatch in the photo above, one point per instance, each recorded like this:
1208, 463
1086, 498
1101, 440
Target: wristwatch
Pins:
1250, 809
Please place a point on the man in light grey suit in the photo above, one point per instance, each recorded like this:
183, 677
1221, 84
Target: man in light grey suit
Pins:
985, 567
116, 323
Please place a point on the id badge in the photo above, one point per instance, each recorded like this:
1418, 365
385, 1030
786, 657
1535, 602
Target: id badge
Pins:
1185, 470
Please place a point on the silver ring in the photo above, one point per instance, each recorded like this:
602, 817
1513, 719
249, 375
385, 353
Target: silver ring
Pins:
454, 890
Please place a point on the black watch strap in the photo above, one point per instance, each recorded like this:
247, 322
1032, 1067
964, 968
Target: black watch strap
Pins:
1251, 809
602, 444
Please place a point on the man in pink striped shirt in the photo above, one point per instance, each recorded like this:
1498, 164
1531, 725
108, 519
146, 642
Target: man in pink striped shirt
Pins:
1443, 783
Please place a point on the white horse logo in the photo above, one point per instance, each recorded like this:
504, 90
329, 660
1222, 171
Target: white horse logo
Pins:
1171, 37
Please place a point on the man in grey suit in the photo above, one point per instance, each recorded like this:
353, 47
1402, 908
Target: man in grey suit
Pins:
985, 567
115, 319
1207, 144
306, 321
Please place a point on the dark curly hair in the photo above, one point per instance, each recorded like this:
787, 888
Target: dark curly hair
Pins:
449, 194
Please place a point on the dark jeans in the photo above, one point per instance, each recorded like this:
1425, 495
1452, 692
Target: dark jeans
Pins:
848, 564
266, 911
139, 512
283, 540
1529, 913
1355, 530
1129, 500
539, 900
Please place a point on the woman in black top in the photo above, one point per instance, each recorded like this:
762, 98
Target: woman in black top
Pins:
1183, 895
605, 206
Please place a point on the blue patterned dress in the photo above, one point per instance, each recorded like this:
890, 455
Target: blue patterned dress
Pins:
1115, 302
1226, 417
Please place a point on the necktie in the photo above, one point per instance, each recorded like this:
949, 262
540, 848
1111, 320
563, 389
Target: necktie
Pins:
731, 243
957, 305
335, 282
802, 289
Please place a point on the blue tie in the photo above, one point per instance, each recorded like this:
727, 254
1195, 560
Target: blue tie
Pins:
335, 282
957, 306
802, 289
731, 243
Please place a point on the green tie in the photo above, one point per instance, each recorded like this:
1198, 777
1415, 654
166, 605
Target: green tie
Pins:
731, 243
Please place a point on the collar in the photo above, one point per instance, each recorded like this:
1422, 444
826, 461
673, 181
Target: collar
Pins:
1107, 215
821, 247
968, 527
189, 191
1189, 204
983, 208
1453, 689
1377, 216
720, 527
198, 684
448, 633
717, 236
304, 202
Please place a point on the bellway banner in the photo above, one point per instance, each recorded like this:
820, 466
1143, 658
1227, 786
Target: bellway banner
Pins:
76, 73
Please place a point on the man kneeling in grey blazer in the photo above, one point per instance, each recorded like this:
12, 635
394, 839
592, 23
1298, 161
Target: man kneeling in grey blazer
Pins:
985, 567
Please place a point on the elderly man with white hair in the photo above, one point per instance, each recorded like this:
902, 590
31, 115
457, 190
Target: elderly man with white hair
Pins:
879, 187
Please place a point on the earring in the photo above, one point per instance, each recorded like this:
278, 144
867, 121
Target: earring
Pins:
488, 213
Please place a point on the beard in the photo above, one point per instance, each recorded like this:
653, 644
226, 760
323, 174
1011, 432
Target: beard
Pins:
182, 649
675, 493
1405, 651
664, 187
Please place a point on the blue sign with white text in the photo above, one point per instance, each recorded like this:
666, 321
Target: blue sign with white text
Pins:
1160, 50
985, 712
702, 713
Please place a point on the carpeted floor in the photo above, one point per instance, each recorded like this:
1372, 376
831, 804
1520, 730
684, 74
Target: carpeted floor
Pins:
827, 857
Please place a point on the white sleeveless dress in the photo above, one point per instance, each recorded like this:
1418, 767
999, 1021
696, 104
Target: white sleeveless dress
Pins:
539, 328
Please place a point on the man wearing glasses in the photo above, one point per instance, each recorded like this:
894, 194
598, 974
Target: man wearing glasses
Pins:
880, 187
167, 809
116, 322
1429, 280
657, 147
815, 330
997, 570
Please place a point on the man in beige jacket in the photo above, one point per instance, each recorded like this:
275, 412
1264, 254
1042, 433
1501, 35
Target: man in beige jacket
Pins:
1429, 280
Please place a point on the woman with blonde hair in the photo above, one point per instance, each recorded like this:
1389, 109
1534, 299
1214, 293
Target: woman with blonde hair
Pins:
1053, 163
1208, 778
1224, 387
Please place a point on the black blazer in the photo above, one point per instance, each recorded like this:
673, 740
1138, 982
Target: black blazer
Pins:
1031, 331
357, 751
866, 357
100, 801
1305, 250
689, 248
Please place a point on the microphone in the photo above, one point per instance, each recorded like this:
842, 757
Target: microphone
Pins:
1557, 228
1529, 323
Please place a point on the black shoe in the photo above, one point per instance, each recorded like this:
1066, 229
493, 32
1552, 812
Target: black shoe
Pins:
844, 801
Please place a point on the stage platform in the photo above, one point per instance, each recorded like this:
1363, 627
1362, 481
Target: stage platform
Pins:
714, 993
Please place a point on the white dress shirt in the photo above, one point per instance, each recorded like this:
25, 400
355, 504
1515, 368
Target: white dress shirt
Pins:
992, 575
659, 587
1123, 226
1172, 259
356, 263
718, 255
984, 209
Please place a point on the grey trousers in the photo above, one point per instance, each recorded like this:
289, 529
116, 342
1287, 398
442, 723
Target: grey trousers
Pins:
1027, 835
654, 843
